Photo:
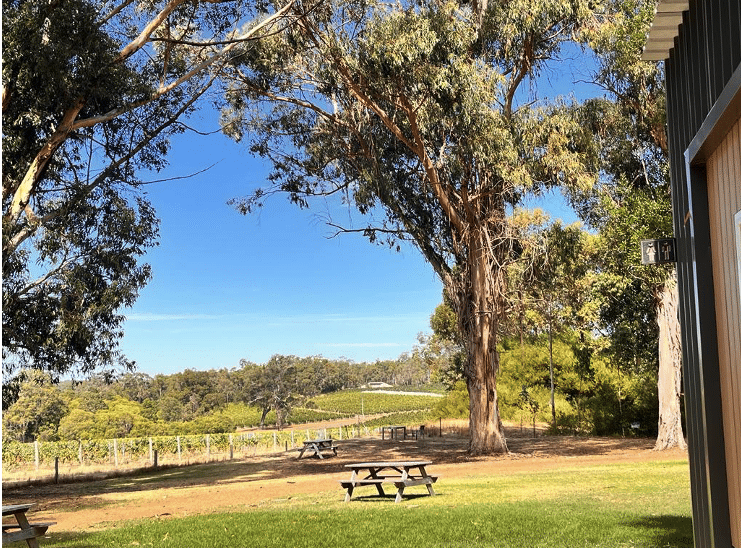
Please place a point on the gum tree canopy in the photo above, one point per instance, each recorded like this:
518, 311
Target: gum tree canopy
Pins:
91, 93
420, 119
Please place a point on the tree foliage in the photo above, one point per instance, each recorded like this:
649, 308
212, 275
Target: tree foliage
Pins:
37, 413
92, 92
633, 203
271, 387
411, 114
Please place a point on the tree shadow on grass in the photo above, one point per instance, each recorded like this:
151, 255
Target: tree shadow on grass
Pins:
668, 531
449, 449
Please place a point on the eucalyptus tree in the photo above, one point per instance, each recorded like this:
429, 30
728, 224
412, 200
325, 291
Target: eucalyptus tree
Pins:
421, 119
633, 201
272, 386
92, 91
555, 286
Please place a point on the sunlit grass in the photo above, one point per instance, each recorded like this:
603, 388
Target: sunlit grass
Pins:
634, 505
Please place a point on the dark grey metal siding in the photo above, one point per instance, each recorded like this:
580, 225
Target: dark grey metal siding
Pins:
706, 53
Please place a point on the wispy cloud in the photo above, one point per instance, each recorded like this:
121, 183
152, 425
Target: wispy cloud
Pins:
340, 318
152, 317
242, 319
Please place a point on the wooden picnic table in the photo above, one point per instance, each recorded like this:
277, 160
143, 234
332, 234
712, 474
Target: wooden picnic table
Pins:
22, 529
394, 432
318, 447
402, 474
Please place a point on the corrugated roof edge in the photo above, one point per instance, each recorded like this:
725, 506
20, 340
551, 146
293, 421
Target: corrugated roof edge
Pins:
664, 29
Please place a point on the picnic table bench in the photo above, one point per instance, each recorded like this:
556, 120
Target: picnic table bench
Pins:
399, 473
22, 529
318, 447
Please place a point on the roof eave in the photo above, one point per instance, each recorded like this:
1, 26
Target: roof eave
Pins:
664, 29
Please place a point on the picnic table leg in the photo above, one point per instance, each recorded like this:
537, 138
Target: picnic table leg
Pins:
374, 475
348, 495
23, 522
351, 487
430, 490
400, 491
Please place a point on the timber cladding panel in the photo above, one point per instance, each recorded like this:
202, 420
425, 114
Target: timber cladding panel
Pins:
724, 200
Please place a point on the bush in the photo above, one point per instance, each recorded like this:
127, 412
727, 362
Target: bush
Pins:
455, 405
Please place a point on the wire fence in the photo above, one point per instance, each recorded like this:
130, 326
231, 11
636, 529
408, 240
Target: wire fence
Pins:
158, 450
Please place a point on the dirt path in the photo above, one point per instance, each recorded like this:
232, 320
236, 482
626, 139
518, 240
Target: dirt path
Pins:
251, 481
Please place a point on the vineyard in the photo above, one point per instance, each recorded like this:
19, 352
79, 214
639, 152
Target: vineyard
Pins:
175, 449
358, 402
164, 449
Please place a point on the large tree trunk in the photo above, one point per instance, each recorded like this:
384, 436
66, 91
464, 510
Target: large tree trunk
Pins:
485, 424
670, 369
479, 300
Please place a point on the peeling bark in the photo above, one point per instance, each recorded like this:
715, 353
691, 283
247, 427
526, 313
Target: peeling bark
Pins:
670, 369
478, 298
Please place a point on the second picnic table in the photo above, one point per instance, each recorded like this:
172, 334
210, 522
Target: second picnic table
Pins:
401, 473
394, 431
318, 447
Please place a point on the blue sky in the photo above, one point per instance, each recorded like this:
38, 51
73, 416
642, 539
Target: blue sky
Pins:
227, 287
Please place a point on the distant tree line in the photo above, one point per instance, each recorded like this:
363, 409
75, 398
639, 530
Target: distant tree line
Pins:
137, 404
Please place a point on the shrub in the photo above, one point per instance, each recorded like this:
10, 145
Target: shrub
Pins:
455, 404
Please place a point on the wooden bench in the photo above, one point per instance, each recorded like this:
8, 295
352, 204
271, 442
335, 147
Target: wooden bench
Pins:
412, 482
22, 530
15, 533
350, 486
427, 480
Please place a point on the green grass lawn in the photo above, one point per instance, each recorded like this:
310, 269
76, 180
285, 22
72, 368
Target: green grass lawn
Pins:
643, 505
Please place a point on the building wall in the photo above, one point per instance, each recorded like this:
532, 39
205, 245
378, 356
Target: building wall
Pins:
705, 57
724, 199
